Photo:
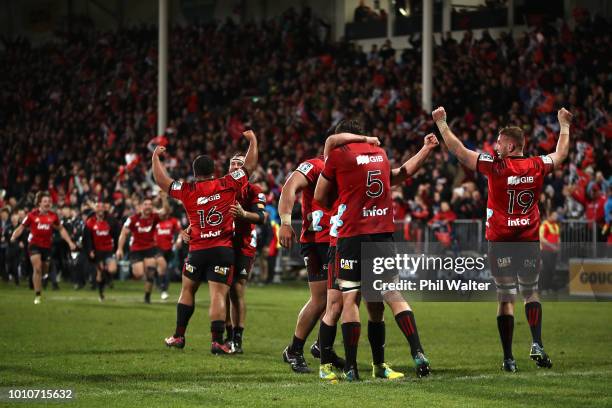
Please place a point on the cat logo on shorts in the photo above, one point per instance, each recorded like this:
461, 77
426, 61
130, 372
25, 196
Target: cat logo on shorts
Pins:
222, 270
189, 268
529, 263
347, 263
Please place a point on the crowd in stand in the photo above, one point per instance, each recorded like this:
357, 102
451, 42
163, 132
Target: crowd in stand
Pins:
78, 114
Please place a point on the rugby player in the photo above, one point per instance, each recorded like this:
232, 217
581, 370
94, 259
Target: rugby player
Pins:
166, 230
41, 222
248, 210
208, 202
141, 226
362, 176
376, 329
100, 245
314, 243
512, 223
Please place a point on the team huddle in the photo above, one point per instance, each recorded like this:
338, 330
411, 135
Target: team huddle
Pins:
346, 202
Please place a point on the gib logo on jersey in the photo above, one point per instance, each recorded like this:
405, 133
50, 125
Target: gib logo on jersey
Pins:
363, 159
516, 180
374, 212
210, 234
163, 231
222, 270
43, 226
102, 233
518, 222
205, 200
348, 264
144, 230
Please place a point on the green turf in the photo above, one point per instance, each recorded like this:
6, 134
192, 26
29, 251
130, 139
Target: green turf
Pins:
112, 354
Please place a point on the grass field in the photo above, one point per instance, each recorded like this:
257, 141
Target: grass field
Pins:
112, 354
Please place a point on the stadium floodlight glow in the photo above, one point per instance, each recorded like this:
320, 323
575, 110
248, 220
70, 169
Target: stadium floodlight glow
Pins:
404, 12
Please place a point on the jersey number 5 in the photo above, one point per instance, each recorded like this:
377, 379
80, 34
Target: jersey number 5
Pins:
213, 218
375, 186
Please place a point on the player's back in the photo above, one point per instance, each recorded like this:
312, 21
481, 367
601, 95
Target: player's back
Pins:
363, 177
514, 186
207, 203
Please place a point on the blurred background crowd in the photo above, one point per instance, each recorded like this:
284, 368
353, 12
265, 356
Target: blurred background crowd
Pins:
78, 114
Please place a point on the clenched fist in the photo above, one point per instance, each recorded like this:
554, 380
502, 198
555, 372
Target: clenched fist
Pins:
564, 116
431, 141
439, 114
249, 134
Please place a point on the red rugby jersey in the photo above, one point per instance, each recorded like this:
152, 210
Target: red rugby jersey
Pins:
207, 204
315, 219
245, 234
362, 174
143, 231
165, 230
514, 187
101, 234
41, 227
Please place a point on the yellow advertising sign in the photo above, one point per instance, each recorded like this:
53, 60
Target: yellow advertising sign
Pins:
590, 277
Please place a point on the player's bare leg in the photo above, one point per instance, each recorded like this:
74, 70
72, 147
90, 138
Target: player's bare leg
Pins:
217, 313
37, 266
307, 320
404, 317
184, 310
533, 313
162, 268
238, 312
149, 271
506, 296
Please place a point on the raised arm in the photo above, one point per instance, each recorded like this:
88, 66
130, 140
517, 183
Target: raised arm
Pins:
465, 156
560, 154
345, 138
294, 183
413, 164
160, 175
252, 154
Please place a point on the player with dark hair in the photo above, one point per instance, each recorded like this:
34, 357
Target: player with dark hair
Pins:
362, 176
314, 242
512, 224
208, 202
99, 243
166, 230
248, 210
41, 222
141, 226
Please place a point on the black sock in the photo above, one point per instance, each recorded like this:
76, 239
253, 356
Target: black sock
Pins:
376, 336
350, 333
229, 332
217, 327
38, 293
327, 336
183, 314
505, 325
297, 345
147, 296
238, 334
405, 321
533, 311
101, 288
